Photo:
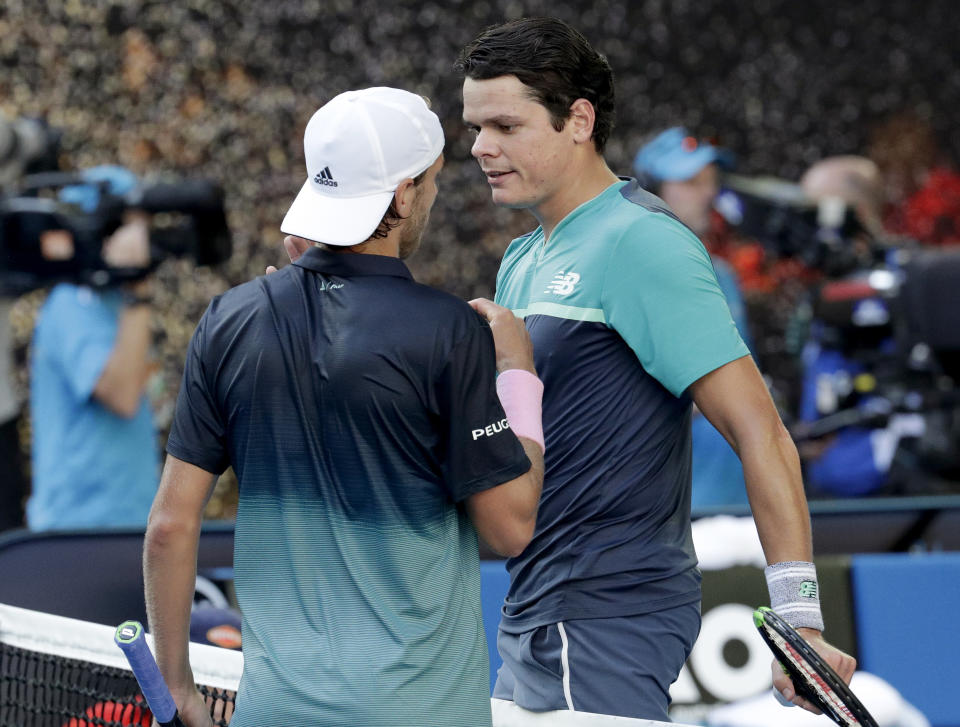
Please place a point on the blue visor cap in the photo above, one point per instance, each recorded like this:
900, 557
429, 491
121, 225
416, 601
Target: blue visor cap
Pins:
111, 178
215, 627
675, 156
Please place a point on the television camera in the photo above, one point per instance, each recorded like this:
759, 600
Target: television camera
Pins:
890, 307
188, 217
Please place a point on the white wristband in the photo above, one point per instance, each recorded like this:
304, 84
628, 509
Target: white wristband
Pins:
795, 593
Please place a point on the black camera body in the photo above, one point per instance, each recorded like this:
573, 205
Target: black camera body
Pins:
34, 211
788, 224
872, 290
31, 209
889, 307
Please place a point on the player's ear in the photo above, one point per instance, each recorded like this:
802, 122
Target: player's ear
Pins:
582, 118
404, 198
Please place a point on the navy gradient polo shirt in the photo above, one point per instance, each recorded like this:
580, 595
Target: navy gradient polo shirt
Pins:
348, 399
625, 312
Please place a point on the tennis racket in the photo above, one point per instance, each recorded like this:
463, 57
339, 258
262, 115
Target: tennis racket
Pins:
812, 676
131, 639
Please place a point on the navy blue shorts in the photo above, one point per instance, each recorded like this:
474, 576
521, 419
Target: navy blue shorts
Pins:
621, 666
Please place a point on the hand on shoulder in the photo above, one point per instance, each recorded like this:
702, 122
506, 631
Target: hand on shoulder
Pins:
510, 336
295, 247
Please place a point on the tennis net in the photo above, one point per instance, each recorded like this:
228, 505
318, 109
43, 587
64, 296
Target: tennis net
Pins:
60, 672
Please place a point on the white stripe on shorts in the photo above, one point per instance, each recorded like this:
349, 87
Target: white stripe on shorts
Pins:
508, 714
565, 665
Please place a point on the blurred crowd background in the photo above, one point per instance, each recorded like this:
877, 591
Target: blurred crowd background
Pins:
223, 89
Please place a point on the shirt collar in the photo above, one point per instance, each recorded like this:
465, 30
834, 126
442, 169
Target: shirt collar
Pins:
349, 264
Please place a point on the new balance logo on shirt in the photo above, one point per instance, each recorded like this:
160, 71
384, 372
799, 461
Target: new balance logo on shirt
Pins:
563, 283
325, 177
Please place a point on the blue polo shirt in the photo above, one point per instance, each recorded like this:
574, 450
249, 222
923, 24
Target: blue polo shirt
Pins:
625, 312
347, 398
91, 468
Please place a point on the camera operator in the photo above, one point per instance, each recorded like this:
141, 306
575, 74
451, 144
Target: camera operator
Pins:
95, 457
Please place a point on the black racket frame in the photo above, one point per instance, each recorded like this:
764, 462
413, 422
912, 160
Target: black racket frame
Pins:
765, 618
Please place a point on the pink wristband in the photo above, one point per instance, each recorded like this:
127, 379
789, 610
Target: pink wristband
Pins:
521, 394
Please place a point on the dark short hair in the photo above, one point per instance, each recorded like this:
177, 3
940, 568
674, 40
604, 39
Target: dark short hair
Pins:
554, 60
392, 218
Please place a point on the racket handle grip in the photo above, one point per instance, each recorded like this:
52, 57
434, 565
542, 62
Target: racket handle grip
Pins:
131, 639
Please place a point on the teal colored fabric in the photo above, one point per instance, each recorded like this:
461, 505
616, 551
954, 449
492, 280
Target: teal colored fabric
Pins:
351, 401
625, 312
640, 272
717, 471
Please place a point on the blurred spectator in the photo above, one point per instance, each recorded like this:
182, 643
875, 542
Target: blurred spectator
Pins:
854, 180
95, 459
921, 193
856, 460
685, 173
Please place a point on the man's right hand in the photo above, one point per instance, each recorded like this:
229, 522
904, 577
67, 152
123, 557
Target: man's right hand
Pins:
510, 337
843, 664
129, 245
295, 247
194, 711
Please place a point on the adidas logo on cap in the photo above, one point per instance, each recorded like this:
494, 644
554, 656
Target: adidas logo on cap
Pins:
325, 177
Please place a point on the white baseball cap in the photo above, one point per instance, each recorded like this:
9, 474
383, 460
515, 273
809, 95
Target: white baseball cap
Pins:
358, 148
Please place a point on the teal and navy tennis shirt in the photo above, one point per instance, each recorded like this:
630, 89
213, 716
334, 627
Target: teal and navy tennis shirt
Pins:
625, 312
359, 410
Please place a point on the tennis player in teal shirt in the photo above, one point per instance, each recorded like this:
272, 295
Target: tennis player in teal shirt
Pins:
629, 328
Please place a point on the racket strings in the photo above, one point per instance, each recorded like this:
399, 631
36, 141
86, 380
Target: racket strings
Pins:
814, 680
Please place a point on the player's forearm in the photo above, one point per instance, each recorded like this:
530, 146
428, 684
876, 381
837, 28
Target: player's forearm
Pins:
169, 572
736, 401
771, 469
506, 516
528, 495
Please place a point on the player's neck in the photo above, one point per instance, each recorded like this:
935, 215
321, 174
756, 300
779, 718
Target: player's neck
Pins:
592, 179
389, 246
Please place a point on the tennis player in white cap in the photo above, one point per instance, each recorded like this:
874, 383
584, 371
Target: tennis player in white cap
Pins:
372, 440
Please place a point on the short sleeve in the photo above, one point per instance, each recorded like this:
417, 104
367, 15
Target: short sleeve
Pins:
730, 286
661, 294
79, 331
480, 449
198, 434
